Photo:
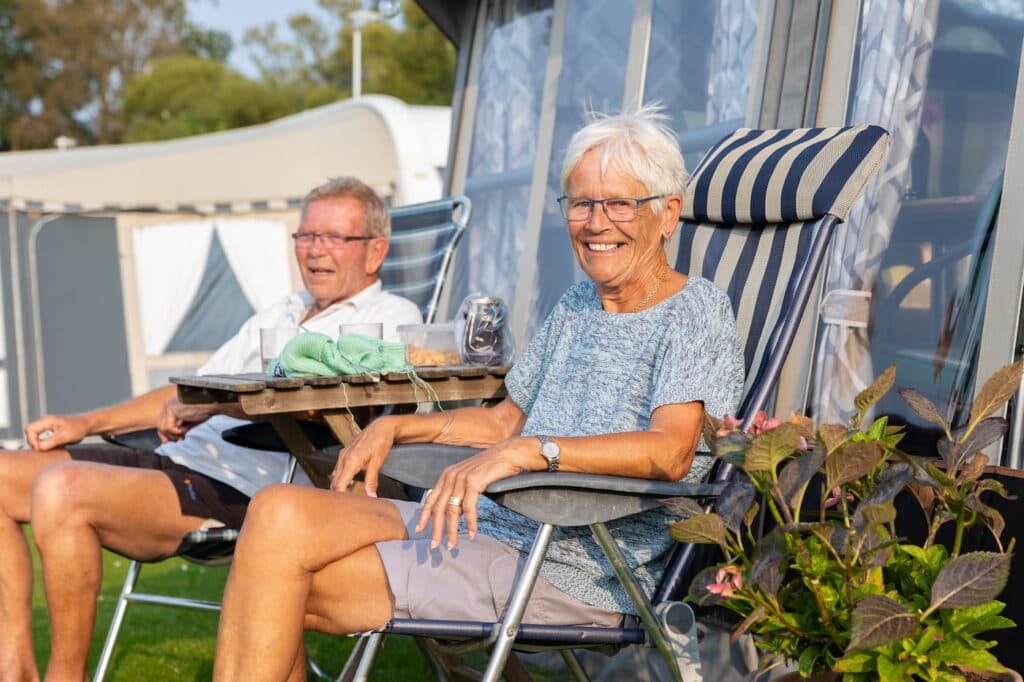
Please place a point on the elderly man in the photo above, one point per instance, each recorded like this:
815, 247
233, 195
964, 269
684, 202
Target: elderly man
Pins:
139, 503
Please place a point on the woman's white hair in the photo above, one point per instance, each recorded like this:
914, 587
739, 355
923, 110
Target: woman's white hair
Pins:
637, 144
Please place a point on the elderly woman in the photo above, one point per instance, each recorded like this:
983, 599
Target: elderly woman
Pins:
616, 382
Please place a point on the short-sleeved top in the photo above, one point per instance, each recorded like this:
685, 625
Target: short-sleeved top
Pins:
590, 372
245, 469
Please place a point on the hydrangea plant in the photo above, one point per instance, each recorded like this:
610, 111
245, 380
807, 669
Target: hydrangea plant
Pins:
832, 586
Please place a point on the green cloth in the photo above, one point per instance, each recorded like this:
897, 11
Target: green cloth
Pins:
315, 354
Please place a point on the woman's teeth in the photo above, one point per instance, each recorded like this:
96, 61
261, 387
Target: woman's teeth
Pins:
602, 247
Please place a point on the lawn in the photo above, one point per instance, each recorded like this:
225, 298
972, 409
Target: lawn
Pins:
159, 643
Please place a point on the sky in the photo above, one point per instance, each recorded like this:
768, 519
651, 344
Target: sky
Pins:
235, 16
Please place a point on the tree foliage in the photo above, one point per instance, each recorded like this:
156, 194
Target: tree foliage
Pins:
105, 71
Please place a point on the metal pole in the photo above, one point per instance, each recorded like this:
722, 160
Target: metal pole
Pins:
357, 61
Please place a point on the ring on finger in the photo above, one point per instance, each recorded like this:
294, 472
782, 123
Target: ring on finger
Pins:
454, 501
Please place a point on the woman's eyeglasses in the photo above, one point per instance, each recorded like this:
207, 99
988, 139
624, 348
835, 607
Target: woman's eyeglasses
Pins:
618, 209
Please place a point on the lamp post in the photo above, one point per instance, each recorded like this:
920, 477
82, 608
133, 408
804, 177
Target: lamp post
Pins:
360, 18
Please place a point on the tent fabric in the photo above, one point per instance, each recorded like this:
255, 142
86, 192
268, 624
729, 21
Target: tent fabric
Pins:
395, 148
170, 259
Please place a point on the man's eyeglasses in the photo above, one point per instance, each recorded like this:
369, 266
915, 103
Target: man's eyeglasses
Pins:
330, 240
618, 209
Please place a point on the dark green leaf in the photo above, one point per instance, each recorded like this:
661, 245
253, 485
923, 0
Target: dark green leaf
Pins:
990, 516
735, 500
704, 529
889, 484
772, 447
871, 515
873, 393
878, 620
923, 407
876, 546
996, 391
806, 527
683, 507
970, 579
850, 462
949, 451
832, 436
751, 515
733, 443
795, 475
766, 572
986, 432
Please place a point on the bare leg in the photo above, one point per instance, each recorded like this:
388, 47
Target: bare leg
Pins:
299, 550
77, 508
18, 470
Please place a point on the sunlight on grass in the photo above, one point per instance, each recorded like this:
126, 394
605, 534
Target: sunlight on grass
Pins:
160, 643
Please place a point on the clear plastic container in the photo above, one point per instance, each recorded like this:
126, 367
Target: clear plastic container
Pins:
429, 345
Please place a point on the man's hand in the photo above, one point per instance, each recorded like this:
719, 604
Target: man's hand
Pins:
54, 431
176, 419
367, 454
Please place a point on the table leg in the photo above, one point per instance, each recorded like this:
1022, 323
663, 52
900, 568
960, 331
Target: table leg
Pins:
299, 446
342, 424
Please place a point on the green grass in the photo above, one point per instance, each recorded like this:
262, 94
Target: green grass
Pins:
159, 643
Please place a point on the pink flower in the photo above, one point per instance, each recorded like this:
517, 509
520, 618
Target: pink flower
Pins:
729, 424
763, 423
727, 581
835, 497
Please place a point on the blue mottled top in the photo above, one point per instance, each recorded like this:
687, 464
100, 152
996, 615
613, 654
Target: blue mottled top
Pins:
589, 372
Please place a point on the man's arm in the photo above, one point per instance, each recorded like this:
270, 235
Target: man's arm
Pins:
142, 412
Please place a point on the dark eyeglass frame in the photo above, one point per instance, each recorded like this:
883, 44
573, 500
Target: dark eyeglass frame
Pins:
324, 237
563, 202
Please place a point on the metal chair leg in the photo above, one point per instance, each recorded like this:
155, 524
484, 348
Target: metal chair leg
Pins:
130, 580
517, 604
574, 665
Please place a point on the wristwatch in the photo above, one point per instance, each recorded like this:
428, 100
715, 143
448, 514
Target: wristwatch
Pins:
550, 451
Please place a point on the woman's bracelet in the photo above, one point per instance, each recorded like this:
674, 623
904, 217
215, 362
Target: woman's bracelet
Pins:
447, 425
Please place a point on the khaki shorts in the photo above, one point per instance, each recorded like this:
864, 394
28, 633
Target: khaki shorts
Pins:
472, 582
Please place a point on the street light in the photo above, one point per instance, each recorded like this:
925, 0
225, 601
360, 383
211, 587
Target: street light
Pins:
386, 9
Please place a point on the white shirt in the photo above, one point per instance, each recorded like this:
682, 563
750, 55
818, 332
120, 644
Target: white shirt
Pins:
248, 470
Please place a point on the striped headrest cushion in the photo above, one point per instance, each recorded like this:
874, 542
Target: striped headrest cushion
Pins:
778, 176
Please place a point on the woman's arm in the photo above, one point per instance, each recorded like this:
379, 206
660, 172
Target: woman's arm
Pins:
475, 426
665, 451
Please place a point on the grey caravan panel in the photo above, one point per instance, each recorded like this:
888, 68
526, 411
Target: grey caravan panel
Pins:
81, 326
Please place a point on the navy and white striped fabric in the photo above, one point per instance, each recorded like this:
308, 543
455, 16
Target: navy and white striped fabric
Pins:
781, 176
423, 239
752, 211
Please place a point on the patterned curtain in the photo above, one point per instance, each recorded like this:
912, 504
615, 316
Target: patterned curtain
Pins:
732, 48
896, 40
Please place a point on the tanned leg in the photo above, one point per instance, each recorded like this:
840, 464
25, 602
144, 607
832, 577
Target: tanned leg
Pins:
298, 550
78, 508
18, 470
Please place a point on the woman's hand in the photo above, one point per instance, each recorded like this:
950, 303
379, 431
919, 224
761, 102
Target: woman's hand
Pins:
366, 453
465, 481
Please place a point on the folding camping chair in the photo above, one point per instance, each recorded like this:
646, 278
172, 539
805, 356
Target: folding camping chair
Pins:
423, 238
759, 212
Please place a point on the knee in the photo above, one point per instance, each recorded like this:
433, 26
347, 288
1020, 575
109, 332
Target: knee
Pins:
59, 493
277, 508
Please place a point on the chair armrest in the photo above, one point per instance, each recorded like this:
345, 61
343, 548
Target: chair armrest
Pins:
565, 499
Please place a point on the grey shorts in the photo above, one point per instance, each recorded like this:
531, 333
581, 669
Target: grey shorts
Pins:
473, 582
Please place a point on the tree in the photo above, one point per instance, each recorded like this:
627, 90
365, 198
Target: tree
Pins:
13, 50
412, 61
80, 55
187, 95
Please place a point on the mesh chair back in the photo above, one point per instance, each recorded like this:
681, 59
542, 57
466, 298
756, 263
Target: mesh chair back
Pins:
757, 214
423, 239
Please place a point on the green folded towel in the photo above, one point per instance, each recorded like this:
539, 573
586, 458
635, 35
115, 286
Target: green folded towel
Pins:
315, 354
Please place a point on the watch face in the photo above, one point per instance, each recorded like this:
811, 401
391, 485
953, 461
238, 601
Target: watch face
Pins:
549, 449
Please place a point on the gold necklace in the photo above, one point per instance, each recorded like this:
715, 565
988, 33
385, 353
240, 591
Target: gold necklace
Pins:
653, 291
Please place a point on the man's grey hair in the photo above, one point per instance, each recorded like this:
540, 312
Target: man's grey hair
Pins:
377, 222
637, 144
